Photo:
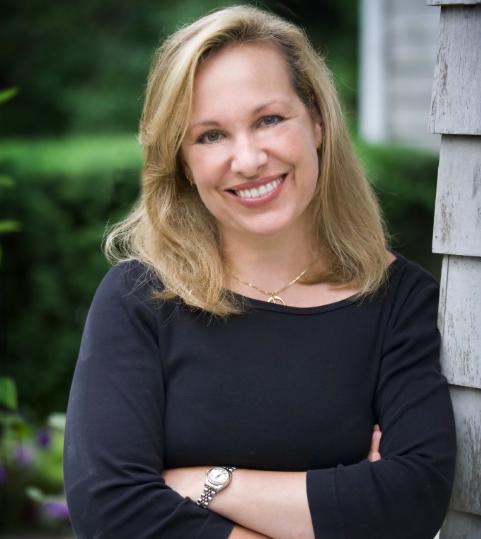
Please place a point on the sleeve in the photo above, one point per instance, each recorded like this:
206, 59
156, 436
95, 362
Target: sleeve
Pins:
406, 494
114, 450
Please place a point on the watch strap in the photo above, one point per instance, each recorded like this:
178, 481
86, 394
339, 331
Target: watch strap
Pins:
205, 497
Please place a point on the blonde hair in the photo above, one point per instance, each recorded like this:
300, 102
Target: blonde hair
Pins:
170, 229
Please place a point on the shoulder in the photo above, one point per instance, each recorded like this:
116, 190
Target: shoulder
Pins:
130, 278
126, 288
412, 294
406, 276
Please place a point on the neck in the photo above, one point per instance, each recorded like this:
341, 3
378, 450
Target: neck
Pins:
267, 262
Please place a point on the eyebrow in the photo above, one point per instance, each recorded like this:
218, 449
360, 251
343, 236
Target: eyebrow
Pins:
214, 123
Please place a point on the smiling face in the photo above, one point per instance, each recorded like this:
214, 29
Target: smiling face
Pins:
251, 144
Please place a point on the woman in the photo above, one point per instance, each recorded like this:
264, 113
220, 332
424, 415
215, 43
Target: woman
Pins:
255, 319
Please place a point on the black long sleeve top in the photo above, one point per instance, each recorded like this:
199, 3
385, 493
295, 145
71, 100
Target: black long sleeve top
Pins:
158, 385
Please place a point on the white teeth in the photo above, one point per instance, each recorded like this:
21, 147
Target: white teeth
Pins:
261, 191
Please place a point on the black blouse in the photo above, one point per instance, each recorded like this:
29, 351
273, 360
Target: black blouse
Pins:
159, 385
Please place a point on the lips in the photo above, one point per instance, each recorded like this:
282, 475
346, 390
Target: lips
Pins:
259, 190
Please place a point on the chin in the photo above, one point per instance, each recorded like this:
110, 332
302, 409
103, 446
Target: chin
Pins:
266, 231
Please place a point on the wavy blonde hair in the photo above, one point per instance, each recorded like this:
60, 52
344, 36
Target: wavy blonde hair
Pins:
170, 229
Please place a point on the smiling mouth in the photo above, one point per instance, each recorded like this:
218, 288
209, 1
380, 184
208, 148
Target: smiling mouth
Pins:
257, 192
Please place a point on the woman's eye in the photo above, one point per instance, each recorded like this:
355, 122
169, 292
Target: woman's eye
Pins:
210, 137
271, 120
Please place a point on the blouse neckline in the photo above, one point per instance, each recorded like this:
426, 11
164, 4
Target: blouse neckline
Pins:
257, 304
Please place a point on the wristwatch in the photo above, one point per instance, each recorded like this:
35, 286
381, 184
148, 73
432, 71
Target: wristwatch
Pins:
216, 479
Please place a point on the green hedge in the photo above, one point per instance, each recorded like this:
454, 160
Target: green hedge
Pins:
64, 195
405, 181
66, 192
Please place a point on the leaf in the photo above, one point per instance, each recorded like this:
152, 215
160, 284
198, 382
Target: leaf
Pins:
35, 494
9, 226
7, 94
6, 181
57, 421
8, 393
14, 425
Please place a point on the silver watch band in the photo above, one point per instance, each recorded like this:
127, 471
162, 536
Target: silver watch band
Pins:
209, 491
205, 497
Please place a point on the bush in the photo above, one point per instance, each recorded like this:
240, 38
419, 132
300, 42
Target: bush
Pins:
65, 194
405, 181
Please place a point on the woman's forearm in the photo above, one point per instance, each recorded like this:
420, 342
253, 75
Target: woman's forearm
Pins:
238, 532
271, 503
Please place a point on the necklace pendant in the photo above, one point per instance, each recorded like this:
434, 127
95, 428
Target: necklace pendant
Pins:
273, 296
276, 299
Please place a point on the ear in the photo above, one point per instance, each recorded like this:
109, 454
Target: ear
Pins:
318, 132
317, 122
186, 169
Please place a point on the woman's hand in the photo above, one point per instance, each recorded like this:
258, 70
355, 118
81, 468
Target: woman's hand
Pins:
374, 454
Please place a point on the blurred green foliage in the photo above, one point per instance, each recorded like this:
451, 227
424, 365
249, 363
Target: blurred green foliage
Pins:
6, 181
67, 191
82, 66
405, 182
65, 194
31, 474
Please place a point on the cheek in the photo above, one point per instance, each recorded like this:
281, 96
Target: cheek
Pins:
208, 167
295, 144
210, 197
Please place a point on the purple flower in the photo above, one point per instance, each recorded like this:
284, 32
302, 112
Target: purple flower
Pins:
3, 475
55, 510
44, 438
23, 455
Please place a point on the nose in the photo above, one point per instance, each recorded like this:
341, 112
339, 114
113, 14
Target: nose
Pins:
248, 157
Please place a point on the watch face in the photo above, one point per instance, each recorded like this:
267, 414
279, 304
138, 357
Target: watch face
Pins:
218, 476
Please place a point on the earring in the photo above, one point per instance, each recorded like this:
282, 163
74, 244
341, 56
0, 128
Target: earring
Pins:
190, 180
318, 145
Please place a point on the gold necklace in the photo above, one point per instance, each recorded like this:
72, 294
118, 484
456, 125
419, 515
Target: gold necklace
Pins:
274, 296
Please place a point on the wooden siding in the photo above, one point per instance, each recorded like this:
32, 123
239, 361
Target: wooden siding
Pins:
461, 526
460, 321
452, 2
456, 106
456, 114
467, 412
457, 220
